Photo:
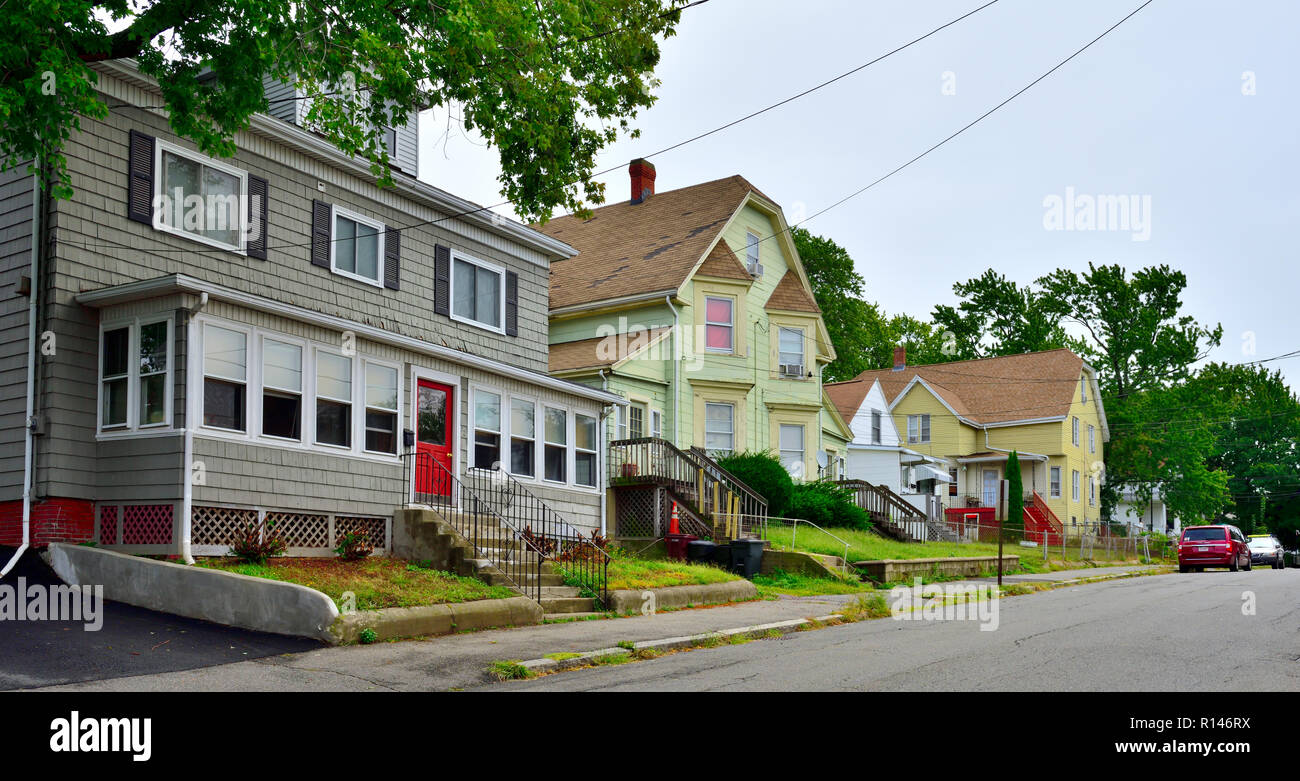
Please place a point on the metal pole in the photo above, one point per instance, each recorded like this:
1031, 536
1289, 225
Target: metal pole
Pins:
999, 554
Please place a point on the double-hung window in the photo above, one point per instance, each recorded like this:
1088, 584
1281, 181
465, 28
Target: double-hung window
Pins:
1056, 482
478, 293
584, 450
1092, 491
225, 378
719, 324
281, 389
656, 423
636, 421
791, 442
1074, 487
1074, 431
199, 198
523, 438
333, 399
790, 352
621, 424
1083, 390
751, 251
1092, 438
135, 366
557, 444
381, 408
918, 428
487, 429
719, 427
357, 250
875, 427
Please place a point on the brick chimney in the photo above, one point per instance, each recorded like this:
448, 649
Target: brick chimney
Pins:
642, 172
900, 358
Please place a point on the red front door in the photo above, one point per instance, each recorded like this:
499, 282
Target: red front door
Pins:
433, 416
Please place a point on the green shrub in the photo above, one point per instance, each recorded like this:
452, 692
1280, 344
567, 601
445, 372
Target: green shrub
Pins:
764, 474
827, 505
254, 543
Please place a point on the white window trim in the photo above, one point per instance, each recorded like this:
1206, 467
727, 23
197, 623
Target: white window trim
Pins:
161, 146
922, 431
803, 446
656, 423
132, 425
503, 425
501, 289
1074, 431
575, 450
643, 409
803, 367
303, 362
1092, 491
1083, 390
1054, 493
316, 397
253, 401
877, 427
508, 460
539, 437
249, 360
1092, 438
730, 404
730, 324
365, 407
1074, 485
339, 211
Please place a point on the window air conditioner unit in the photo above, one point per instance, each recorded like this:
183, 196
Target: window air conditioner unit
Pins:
791, 370
755, 269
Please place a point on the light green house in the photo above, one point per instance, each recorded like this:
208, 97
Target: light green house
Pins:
693, 305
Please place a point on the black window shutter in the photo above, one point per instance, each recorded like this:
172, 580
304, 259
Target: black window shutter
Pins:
258, 191
512, 304
392, 257
139, 188
441, 280
321, 233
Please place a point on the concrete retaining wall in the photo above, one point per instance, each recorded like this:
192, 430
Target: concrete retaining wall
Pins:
631, 600
428, 620
195, 592
800, 563
896, 570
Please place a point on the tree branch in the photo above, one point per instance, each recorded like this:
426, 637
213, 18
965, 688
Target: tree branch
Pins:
159, 17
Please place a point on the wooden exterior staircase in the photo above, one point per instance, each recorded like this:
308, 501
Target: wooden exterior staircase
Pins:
893, 516
1041, 524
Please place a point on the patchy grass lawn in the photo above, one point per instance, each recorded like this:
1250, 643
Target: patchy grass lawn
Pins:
378, 582
634, 573
866, 546
793, 584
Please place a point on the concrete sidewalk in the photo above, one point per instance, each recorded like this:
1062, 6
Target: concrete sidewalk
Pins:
459, 661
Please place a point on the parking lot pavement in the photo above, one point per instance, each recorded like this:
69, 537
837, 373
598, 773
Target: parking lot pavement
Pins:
131, 641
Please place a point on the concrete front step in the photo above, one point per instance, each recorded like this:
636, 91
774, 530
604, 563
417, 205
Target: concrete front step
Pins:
556, 592
571, 616
566, 605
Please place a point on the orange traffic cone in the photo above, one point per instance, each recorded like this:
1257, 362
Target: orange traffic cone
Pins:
673, 528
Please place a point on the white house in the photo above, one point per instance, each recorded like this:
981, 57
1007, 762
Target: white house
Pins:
1150, 515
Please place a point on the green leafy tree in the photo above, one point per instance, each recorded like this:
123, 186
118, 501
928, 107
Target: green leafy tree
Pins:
547, 82
1015, 522
998, 317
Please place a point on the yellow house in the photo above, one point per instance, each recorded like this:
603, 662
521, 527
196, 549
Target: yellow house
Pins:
967, 416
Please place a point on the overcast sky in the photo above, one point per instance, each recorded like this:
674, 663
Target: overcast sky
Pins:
1156, 109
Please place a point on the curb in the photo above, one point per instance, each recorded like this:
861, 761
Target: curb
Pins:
544, 666
630, 600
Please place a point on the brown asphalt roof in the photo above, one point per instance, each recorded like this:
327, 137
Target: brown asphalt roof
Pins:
599, 352
790, 294
627, 249
988, 390
722, 262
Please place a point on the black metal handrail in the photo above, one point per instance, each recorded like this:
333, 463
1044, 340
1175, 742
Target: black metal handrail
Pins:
517, 556
584, 560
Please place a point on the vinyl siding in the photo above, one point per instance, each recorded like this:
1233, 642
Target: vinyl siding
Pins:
15, 262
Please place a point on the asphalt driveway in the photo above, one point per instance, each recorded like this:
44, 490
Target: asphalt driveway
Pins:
131, 641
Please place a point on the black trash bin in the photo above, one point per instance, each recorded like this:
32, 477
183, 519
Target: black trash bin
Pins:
746, 557
698, 551
722, 556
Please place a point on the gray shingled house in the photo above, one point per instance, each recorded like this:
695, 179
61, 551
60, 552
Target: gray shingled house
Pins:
288, 361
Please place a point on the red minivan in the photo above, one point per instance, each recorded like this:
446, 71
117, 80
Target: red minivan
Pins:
1213, 546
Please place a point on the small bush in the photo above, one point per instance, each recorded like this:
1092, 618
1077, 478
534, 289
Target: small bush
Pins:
254, 543
764, 474
367, 636
827, 505
586, 550
509, 670
354, 546
539, 542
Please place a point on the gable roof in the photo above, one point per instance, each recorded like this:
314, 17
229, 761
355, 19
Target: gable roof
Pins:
722, 262
627, 249
986, 391
592, 354
790, 295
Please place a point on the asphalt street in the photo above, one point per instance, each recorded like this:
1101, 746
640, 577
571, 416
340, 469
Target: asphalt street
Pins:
1158, 633
132, 641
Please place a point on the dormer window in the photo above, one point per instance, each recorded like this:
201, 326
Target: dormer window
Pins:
719, 325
